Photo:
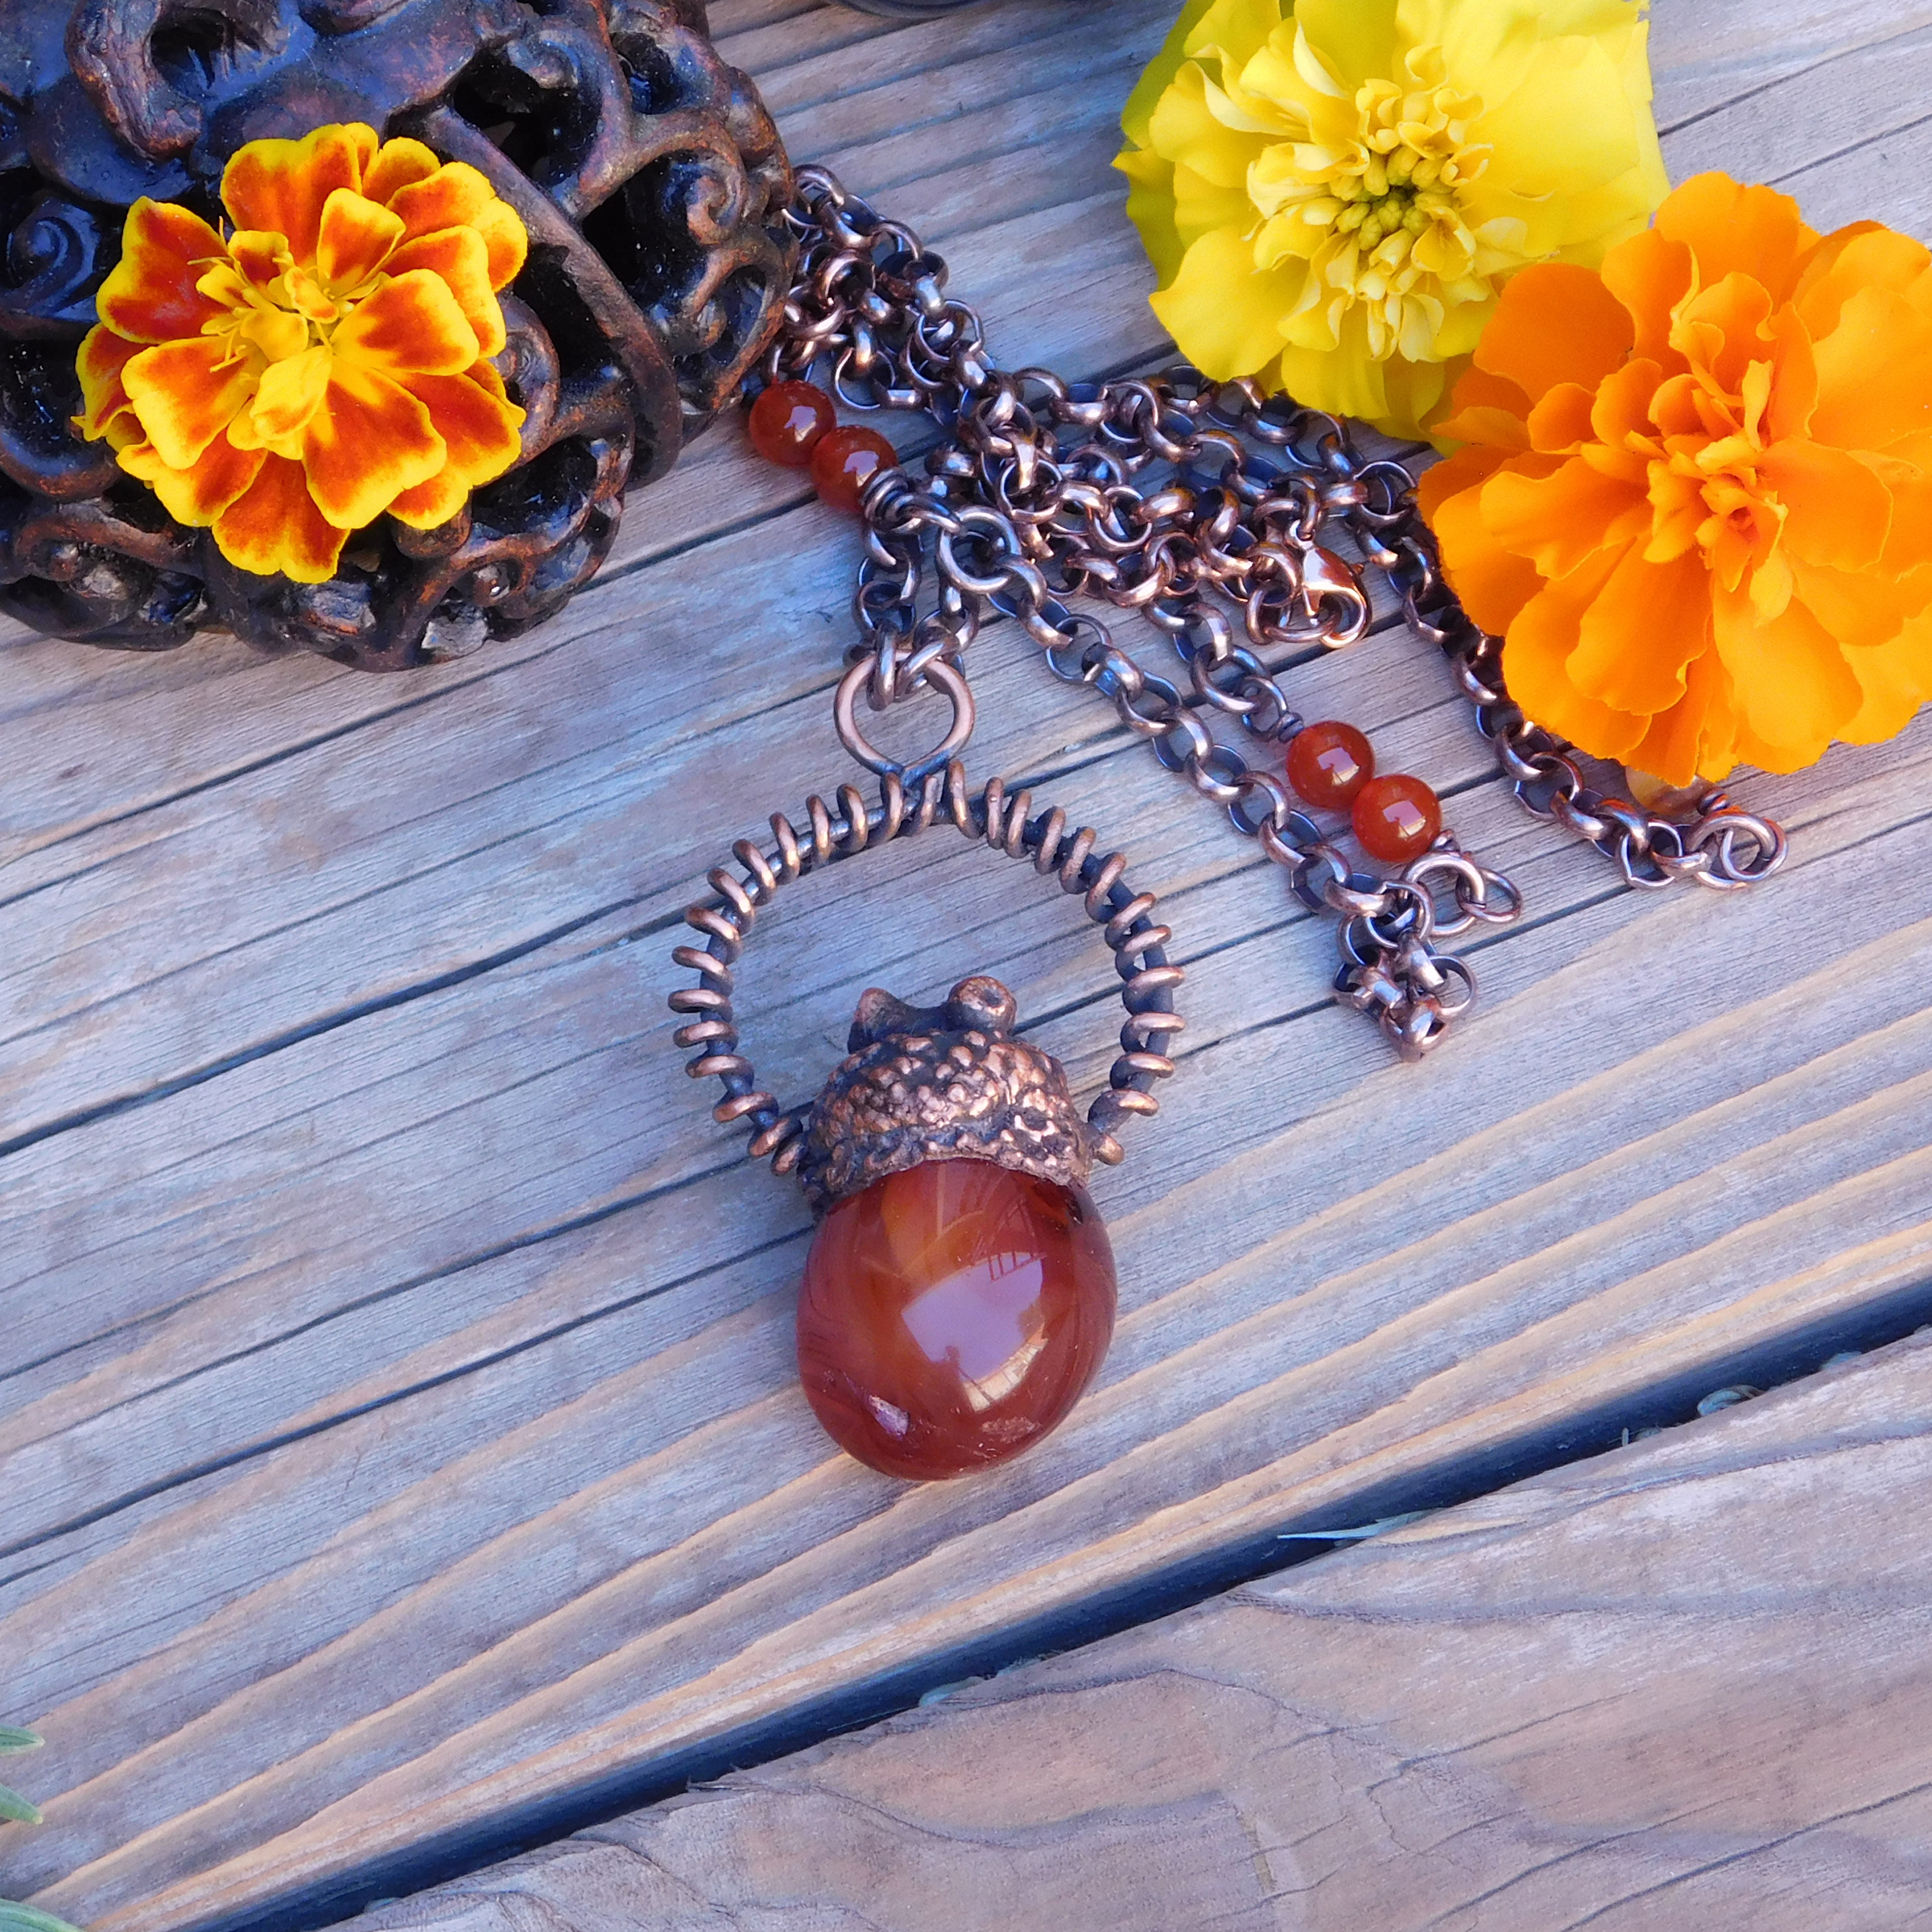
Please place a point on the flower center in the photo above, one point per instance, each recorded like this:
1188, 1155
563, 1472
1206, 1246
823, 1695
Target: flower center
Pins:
1706, 461
276, 308
1380, 216
280, 318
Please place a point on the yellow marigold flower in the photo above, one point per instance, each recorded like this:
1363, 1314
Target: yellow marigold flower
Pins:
1333, 191
1695, 496
324, 361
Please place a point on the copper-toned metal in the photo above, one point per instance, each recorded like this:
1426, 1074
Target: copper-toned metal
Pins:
939, 1083
784, 1135
650, 176
1192, 503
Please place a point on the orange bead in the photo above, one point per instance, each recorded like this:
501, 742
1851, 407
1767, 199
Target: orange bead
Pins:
845, 460
1395, 817
787, 421
1328, 763
951, 1315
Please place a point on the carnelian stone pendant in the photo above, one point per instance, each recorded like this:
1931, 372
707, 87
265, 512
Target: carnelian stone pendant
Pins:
959, 1293
953, 1313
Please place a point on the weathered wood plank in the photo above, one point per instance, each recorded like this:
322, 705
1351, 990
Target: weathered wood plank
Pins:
401, 1430
1656, 1688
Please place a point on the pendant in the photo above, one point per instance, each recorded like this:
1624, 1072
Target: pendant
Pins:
959, 1293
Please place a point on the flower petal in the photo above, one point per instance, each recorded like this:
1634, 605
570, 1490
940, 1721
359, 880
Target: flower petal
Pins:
1650, 275
1555, 323
290, 394
1636, 642
285, 185
1860, 608
1226, 311
507, 239
257, 255
1794, 690
1150, 208
453, 197
432, 505
460, 257
196, 496
1895, 679
186, 394
1561, 421
1493, 583
1836, 511
1860, 255
1557, 521
1570, 122
274, 526
150, 296
397, 163
475, 420
357, 237
1358, 40
1696, 737
1721, 328
1755, 231
410, 326
1878, 330
1487, 409
369, 441
104, 399
1536, 655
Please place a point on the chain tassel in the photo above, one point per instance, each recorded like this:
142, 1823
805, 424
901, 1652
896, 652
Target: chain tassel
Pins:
1032, 500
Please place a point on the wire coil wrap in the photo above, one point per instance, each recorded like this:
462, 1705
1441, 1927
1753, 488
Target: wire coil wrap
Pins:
1007, 824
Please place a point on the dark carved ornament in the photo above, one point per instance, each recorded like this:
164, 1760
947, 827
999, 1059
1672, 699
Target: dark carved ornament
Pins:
647, 172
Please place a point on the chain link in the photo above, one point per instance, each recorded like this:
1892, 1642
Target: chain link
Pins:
1715, 842
1201, 506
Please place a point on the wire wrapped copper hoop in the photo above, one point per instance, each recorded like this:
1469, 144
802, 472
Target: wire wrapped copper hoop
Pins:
1005, 825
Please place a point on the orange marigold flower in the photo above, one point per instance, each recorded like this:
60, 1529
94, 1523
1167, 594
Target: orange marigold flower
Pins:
1695, 496
326, 361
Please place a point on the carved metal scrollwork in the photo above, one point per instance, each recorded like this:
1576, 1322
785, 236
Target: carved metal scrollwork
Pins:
651, 179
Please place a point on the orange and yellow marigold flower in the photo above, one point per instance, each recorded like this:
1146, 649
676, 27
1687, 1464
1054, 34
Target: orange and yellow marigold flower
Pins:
326, 361
1695, 494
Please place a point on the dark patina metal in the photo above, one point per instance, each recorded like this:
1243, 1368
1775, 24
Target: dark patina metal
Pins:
945, 1083
647, 172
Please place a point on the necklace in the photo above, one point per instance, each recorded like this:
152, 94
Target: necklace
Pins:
960, 1291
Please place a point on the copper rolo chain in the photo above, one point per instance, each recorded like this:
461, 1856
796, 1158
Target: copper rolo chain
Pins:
1034, 498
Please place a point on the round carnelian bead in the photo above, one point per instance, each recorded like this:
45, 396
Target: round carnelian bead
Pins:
845, 460
1395, 817
1328, 763
787, 421
951, 1315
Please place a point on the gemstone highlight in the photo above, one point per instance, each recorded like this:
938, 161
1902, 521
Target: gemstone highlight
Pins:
951, 1315
1328, 763
1395, 817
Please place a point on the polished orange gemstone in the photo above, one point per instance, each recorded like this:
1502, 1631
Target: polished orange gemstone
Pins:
845, 461
951, 1315
787, 421
1395, 817
1328, 763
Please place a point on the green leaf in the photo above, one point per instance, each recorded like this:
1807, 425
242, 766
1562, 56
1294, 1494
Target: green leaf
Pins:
26, 1918
12, 1740
13, 1806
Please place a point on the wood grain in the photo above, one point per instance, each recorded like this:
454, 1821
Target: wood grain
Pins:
1658, 1689
398, 1434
